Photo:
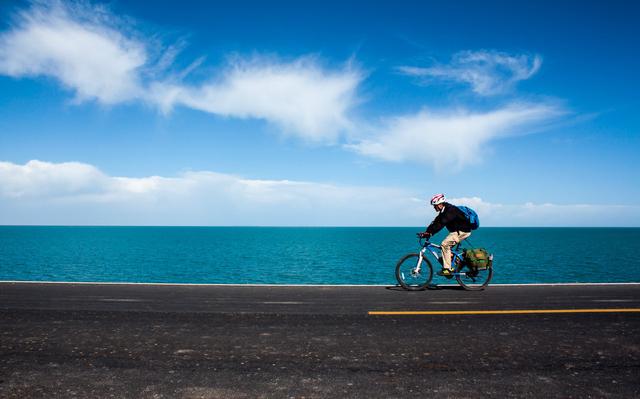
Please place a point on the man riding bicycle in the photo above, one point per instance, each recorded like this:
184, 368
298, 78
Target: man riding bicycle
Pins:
456, 222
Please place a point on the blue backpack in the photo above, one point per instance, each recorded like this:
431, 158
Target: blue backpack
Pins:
471, 215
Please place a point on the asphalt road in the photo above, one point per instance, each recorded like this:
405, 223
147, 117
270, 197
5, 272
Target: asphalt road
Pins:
146, 341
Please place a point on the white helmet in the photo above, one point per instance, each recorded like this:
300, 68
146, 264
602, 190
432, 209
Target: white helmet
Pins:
437, 199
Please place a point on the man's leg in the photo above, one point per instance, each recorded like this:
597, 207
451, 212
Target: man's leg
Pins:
449, 241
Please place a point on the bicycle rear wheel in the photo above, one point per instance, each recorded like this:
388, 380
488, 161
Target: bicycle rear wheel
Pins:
473, 279
411, 279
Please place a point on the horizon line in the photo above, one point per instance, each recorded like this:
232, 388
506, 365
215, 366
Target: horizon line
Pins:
305, 226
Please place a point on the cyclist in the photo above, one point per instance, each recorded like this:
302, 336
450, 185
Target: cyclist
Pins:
451, 217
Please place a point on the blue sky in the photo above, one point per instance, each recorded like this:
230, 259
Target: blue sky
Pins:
288, 113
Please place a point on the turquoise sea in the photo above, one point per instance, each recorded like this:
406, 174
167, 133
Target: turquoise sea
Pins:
298, 255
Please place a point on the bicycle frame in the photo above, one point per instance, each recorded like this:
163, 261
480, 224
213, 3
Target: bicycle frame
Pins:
436, 251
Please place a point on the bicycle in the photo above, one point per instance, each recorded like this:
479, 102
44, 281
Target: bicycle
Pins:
414, 271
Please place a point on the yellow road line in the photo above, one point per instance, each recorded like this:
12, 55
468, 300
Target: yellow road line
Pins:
515, 311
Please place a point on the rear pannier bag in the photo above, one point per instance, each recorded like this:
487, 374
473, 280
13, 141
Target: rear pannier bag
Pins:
478, 258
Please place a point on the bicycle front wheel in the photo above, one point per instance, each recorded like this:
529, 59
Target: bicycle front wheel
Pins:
473, 279
410, 275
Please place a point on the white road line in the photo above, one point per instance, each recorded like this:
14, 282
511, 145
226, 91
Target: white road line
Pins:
288, 285
564, 284
191, 284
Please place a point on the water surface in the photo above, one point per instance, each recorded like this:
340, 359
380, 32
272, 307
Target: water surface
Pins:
298, 255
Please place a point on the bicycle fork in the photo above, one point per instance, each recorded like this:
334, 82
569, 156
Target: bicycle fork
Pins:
417, 269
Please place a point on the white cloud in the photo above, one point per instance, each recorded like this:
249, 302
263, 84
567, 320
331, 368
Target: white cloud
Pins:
451, 139
487, 72
76, 46
300, 97
38, 179
77, 193
550, 214
95, 55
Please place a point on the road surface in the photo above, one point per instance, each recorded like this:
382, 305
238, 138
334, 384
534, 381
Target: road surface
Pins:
179, 341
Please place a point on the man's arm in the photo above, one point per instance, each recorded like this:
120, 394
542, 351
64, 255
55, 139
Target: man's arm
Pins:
435, 226
439, 222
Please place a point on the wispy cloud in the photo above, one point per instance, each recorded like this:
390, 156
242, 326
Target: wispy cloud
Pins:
487, 72
452, 139
99, 57
77, 193
78, 46
300, 97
